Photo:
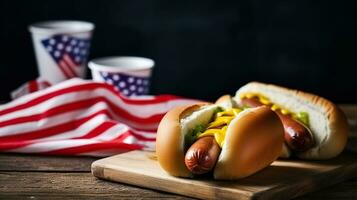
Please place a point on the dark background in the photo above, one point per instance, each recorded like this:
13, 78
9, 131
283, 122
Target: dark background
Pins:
203, 49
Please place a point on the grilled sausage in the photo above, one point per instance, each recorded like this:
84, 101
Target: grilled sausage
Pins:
202, 156
297, 136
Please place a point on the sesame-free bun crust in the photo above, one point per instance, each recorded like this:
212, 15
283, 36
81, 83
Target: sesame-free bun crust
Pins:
170, 140
326, 121
254, 139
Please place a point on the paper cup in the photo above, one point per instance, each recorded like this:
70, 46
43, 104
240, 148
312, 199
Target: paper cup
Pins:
129, 75
61, 48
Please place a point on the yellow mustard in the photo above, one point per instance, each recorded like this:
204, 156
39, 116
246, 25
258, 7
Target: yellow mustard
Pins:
301, 116
218, 126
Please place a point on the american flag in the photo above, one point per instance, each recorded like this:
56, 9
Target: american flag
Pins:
30, 87
129, 85
78, 117
68, 52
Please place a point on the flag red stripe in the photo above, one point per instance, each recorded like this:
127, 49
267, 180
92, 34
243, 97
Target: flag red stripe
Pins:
64, 70
61, 128
46, 83
69, 61
33, 86
67, 68
80, 105
5, 146
105, 145
83, 87
69, 65
140, 137
98, 130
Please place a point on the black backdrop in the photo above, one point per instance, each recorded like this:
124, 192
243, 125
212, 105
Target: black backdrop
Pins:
206, 48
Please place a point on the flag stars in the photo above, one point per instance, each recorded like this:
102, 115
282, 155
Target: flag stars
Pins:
64, 38
116, 77
76, 50
110, 81
131, 80
73, 42
52, 41
65, 48
140, 89
104, 74
125, 91
60, 46
69, 49
122, 84
81, 44
132, 88
126, 84
57, 54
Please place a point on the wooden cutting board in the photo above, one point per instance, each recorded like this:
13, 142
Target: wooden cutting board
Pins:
281, 180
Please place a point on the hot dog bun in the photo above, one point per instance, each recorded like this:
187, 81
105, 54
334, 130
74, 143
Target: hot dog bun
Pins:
326, 121
253, 140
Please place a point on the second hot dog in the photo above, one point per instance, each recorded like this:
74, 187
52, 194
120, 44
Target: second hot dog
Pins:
297, 136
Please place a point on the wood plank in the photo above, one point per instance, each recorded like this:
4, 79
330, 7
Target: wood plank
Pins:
346, 190
54, 185
283, 180
26, 162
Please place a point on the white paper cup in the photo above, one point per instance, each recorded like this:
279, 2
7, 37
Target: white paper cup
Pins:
129, 75
61, 48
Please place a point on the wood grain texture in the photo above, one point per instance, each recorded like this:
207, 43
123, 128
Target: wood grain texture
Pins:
27, 162
54, 185
283, 180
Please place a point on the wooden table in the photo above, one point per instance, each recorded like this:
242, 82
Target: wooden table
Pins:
54, 177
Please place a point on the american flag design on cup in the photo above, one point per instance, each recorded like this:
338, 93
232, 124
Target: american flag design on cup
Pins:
128, 74
61, 48
70, 53
127, 84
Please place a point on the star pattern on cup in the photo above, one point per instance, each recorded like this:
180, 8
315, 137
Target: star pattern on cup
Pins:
127, 84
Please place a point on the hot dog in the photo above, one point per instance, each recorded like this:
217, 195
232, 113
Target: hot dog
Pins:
315, 128
236, 137
217, 140
202, 156
297, 136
